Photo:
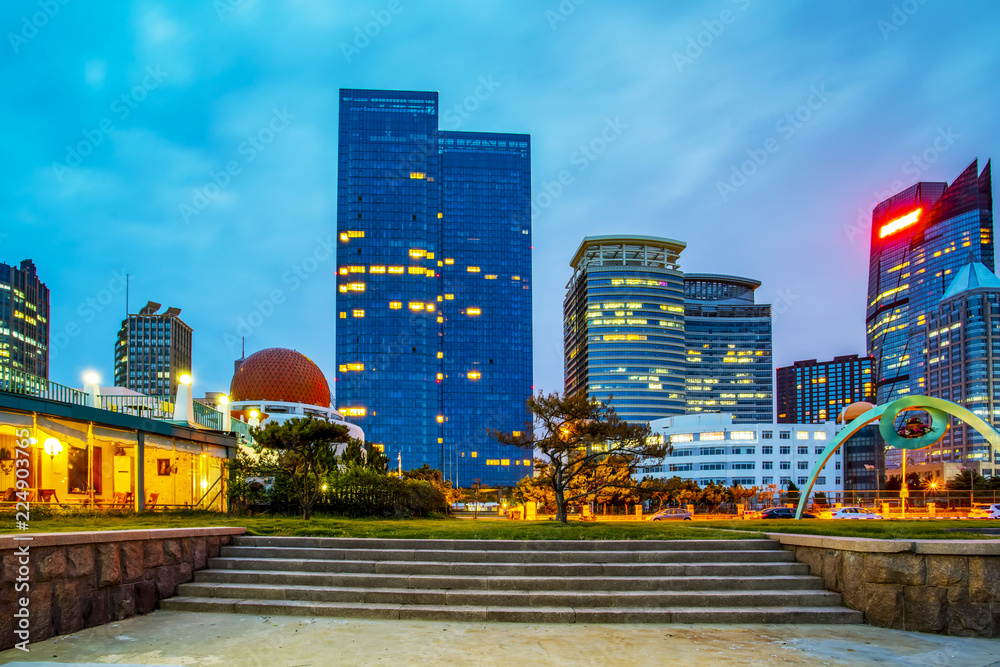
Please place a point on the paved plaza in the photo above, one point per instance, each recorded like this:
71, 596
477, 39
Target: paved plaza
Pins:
184, 638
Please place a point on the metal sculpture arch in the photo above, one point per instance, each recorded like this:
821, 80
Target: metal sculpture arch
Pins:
937, 408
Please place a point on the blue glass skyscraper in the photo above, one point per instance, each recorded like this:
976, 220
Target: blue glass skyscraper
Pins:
434, 277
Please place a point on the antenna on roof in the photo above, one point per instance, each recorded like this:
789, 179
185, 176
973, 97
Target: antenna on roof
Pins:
126, 296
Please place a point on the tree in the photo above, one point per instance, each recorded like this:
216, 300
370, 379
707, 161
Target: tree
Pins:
436, 478
574, 434
477, 486
967, 480
537, 490
305, 451
792, 492
369, 458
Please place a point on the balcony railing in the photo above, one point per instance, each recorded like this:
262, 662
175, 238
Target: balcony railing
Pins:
14, 381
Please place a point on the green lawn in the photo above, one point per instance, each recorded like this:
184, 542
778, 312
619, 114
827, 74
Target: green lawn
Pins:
926, 529
323, 526
491, 528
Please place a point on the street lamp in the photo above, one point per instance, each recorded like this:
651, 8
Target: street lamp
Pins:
52, 447
185, 378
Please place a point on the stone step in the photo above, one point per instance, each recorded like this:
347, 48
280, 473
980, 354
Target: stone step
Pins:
785, 566
782, 614
508, 545
464, 556
557, 581
515, 598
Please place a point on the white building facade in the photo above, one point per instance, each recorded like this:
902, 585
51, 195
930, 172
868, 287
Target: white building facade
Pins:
708, 447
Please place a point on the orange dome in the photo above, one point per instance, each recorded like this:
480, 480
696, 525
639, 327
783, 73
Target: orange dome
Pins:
277, 374
853, 411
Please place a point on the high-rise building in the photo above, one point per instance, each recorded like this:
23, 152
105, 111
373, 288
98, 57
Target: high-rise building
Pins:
920, 238
728, 348
963, 363
433, 337
623, 325
812, 392
24, 319
153, 351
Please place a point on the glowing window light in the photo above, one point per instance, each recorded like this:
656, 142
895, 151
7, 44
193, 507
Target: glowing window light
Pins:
395, 269
416, 305
345, 236
474, 454
356, 269
505, 462
343, 313
395, 305
440, 215
418, 175
472, 269
439, 419
473, 375
356, 287
430, 255
490, 276
449, 297
440, 376
344, 368
342, 271
354, 412
415, 270
440, 320
377, 268
342, 288
430, 307
417, 252
358, 312
899, 223
449, 261
440, 355
515, 277
473, 312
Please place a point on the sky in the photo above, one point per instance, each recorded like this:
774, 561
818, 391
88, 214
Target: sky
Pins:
135, 141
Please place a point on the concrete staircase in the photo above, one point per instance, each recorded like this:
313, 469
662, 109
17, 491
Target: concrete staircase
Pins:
630, 581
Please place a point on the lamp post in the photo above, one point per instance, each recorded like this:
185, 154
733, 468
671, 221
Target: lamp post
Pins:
91, 382
226, 416
184, 402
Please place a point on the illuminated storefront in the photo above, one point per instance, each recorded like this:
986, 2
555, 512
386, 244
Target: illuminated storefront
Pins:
82, 457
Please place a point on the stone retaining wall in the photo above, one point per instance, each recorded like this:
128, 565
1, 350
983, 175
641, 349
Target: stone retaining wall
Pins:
945, 587
79, 580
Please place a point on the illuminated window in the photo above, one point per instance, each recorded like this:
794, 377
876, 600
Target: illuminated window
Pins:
440, 215
418, 175
354, 412
472, 269
395, 269
343, 313
492, 462
344, 236
527, 462
516, 434
342, 271
416, 305
440, 376
356, 269
714, 435
505, 462
429, 273
473, 312
474, 454
430, 307
417, 252
473, 375
356, 287
344, 368
802, 435
395, 305
377, 268
358, 312
449, 261
490, 276
342, 288
440, 419
440, 441
440, 355
449, 297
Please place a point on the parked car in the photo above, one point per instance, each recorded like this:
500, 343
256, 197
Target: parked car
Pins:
783, 513
854, 513
985, 512
672, 514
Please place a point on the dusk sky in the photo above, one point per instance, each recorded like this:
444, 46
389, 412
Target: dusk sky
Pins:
115, 115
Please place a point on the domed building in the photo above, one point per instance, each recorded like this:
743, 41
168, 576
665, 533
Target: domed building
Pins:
280, 384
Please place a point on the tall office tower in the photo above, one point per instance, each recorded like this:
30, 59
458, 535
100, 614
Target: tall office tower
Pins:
728, 344
152, 351
920, 238
623, 325
963, 363
434, 277
24, 319
812, 392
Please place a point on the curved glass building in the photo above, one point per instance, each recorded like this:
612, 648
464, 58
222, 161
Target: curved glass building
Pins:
623, 325
728, 336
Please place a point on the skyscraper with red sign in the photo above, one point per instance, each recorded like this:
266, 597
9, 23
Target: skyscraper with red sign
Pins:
921, 238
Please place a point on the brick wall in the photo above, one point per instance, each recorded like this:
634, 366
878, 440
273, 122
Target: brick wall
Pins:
79, 580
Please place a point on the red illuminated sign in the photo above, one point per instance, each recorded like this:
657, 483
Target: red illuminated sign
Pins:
899, 223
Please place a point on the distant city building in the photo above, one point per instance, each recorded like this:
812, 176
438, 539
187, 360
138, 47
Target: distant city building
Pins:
623, 325
711, 447
920, 238
24, 319
729, 367
864, 460
812, 392
153, 351
434, 338
963, 363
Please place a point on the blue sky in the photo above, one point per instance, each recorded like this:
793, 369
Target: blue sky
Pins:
829, 101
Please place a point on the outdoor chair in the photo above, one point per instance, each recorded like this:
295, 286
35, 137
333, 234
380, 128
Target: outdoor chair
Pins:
151, 503
48, 496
